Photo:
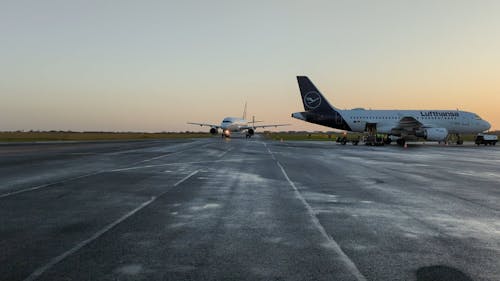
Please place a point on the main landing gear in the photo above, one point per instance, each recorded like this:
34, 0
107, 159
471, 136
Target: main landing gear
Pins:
456, 137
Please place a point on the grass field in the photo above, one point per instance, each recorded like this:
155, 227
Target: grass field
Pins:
89, 136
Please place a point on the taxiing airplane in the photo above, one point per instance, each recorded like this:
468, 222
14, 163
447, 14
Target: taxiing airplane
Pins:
402, 125
236, 124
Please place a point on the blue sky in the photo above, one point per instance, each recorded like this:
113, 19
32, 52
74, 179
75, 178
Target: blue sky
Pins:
154, 65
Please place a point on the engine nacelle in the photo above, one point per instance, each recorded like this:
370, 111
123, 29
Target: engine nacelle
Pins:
251, 132
436, 134
213, 131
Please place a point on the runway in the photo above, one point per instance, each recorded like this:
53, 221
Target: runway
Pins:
209, 209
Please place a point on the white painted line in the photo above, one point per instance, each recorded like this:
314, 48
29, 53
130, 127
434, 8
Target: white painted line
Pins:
41, 270
187, 177
24, 190
177, 163
47, 185
224, 153
134, 168
158, 157
330, 241
172, 153
38, 272
269, 150
100, 172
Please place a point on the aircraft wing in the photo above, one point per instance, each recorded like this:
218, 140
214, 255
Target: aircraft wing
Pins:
409, 123
205, 124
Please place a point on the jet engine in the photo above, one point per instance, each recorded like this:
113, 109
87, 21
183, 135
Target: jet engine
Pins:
213, 131
436, 134
251, 132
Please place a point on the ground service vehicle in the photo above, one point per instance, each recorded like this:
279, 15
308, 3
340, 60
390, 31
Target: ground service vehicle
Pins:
486, 139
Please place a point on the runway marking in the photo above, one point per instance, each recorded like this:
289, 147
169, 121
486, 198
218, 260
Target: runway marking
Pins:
158, 157
172, 153
47, 184
185, 178
38, 272
269, 151
177, 163
224, 153
272, 154
95, 173
41, 270
331, 242
134, 168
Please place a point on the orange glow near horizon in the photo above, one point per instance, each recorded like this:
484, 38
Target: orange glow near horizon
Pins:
154, 67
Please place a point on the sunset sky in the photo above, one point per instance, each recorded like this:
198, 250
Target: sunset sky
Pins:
155, 65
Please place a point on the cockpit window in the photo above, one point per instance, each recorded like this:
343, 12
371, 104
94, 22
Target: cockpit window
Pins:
477, 117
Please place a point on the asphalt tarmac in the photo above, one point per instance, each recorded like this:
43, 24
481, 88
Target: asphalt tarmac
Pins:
209, 209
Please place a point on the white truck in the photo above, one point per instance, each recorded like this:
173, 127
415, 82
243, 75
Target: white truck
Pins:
486, 139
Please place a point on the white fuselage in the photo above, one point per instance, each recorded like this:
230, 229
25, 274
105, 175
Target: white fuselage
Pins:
233, 124
456, 122
236, 124
435, 125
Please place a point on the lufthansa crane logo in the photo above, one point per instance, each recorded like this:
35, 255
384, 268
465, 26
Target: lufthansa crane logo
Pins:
312, 100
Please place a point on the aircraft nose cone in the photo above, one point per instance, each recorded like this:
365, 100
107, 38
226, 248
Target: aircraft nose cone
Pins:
487, 125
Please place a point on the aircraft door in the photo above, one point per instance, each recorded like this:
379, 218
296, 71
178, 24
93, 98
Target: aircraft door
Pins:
371, 128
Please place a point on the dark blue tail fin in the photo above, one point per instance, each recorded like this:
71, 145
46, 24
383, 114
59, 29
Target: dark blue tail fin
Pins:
312, 98
318, 110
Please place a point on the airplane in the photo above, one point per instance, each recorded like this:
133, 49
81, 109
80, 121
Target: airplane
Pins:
236, 124
401, 125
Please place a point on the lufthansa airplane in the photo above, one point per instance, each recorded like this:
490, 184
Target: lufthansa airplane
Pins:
403, 125
236, 124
